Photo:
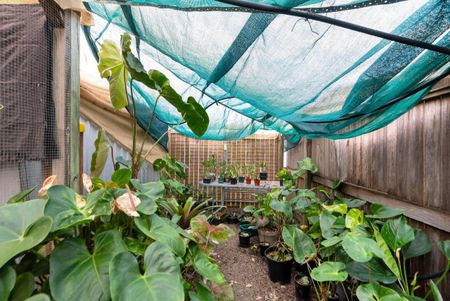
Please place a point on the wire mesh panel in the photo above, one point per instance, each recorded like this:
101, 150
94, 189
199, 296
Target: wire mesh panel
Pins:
33, 115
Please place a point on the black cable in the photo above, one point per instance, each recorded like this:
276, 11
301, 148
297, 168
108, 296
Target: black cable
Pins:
339, 23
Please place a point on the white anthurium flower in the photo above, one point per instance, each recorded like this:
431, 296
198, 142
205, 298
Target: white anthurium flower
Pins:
87, 183
49, 182
127, 203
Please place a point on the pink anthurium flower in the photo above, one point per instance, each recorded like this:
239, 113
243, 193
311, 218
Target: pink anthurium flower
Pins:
49, 182
87, 183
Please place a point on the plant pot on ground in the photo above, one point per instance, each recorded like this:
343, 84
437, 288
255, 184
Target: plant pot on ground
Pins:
233, 218
263, 247
244, 239
250, 228
302, 287
267, 235
279, 262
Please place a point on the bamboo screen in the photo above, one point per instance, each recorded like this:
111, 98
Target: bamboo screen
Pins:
262, 146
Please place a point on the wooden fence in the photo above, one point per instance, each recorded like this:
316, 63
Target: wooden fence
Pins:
405, 165
267, 147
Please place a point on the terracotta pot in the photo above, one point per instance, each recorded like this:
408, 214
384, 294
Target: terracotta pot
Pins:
257, 182
248, 181
269, 236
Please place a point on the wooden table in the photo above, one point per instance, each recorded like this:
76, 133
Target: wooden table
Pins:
239, 187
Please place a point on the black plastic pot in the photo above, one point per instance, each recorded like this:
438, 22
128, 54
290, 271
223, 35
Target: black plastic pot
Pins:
302, 291
233, 219
216, 221
281, 182
241, 179
279, 271
207, 181
263, 247
221, 180
233, 181
244, 239
263, 176
246, 228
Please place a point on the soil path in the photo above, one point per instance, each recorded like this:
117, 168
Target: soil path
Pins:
246, 270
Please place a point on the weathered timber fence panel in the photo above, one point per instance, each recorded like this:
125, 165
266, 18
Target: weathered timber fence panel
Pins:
406, 164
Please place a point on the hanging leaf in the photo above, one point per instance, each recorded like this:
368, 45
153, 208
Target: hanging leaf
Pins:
419, 246
397, 233
204, 265
444, 246
329, 271
21, 195
111, 66
159, 229
435, 291
7, 281
100, 155
282, 207
301, 244
327, 221
359, 248
160, 258
308, 164
22, 226
127, 282
23, 288
76, 274
63, 208
201, 293
373, 270
379, 211
388, 259
373, 291
354, 218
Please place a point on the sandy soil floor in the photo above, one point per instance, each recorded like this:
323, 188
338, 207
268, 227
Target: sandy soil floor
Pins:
246, 270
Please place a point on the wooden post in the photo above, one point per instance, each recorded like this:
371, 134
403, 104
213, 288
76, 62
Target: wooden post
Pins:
72, 96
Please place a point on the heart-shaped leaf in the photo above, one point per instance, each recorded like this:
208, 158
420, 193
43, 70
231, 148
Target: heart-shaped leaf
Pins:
7, 281
76, 274
301, 244
201, 293
160, 258
359, 248
444, 246
353, 203
282, 207
327, 221
338, 208
379, 211
23, 288
22, 226
111, 66
127, 282
387, 257
397, 233
159, 229
354, 218
121, 176
329, 271
373, 291
63, 208
204, 265
419, 246
373, 270
147, 206
39, 297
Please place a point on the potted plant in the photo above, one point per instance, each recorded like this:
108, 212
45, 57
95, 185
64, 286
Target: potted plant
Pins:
222, 172
248, 176
244, 239
279, 262
262, 171
207, 171
242, 170
284, 176
302, 287
234, 173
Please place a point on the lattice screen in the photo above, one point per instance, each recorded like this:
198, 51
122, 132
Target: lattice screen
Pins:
262, 146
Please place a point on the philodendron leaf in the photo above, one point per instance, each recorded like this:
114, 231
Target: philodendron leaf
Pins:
22, 226
388, 259
39, 297
419, 246
373, 291
359, 248
435, 291
196, 117
354, 218
329, 271
339, 208
23, 288
397, 233
353, 203
379, 211
307, 164
147, 206
301, 244
128, 284
159, 258
21, 195
100, 155
111, 66
63, 208
201, 293
154, 190
444, 246
373, 270
160, 229
327, 220
76, 274
282, 207
204, 265
121, 176
7, 281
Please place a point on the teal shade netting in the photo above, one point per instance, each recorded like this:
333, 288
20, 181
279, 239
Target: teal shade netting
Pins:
302, 78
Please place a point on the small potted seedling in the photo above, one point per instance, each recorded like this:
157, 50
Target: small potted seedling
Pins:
302, 287
248, 176
244, 239
262, 171
208, 167
222, 172
234, 172
242, 170
251, 171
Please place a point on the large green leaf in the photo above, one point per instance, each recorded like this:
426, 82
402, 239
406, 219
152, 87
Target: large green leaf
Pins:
62, 207
282, 207
379, 211
353, 203
301, 244
39, 297
23, 288
159, 258
359, 248
160, 229
338, 208
444, 246
201, 293
435, 291
121, 176
419, 246
76, 274
388, 259
397, 233
111, 66
354, 218
373, 291
147, 206
128, 284
308, 164
22, 226
373, 270
7, 280
204, 265
329, 271
154, 190
100, 155
327, 220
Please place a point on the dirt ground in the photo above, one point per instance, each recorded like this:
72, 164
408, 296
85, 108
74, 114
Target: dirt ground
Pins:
246, 270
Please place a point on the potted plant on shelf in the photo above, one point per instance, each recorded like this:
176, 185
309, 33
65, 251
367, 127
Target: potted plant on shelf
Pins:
279, 262
222, 172
248, 177
252, 173
262, 171
302, 287
242, 169
234, 173
207, 171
